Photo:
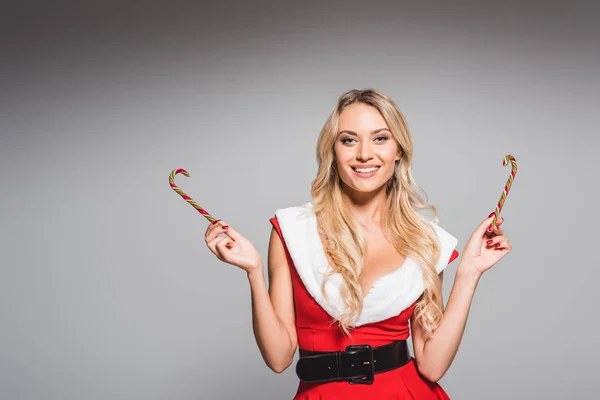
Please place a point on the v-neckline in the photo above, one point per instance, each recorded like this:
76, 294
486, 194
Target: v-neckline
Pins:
388, 296
321, 249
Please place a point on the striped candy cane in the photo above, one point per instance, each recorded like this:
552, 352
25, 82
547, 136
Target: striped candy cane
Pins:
508, 158
186, 197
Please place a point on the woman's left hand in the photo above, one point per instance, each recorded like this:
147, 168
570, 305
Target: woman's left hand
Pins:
484, 248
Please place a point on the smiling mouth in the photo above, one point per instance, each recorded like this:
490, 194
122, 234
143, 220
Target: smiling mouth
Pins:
365, 170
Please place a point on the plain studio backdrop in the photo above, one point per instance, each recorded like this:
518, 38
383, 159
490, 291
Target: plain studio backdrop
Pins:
108, 290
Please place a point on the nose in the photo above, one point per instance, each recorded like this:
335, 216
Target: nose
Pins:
364, 152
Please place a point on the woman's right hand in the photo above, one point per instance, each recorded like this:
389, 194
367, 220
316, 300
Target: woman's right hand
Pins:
233, 249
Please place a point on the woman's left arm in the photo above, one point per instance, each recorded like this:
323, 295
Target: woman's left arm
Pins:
435, 354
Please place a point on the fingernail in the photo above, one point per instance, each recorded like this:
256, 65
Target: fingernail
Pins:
489, 229
491, 215
489, 242
497, 245
225, 227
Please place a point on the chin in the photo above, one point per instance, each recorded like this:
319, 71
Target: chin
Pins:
363, 188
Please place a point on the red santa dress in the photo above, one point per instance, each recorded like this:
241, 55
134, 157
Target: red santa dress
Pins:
387, 308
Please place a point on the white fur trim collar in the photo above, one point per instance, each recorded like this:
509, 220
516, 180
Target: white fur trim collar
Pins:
388, 296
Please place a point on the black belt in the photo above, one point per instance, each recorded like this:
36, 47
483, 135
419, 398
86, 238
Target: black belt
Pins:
357, 364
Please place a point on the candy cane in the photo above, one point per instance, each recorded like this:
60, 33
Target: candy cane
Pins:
185, 196
508, 158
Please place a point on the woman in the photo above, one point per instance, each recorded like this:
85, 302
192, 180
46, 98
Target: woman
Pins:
350, 269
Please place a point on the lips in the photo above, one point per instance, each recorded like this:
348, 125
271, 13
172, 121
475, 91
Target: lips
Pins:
366, 172
366, 168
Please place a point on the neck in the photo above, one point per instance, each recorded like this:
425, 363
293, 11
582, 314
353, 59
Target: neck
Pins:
365, 207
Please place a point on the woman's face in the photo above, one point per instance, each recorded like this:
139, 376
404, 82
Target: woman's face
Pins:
365, 150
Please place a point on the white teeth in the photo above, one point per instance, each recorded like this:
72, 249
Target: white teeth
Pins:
366, 170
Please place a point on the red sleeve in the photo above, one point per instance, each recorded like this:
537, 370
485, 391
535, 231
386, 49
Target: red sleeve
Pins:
453, 256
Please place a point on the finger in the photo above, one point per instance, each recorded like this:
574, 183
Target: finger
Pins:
215, 230
212, 245
232, 233
481, 229
227, 242
210, 228
214, 238
222, 247
495, 241
502, 245
495, 231
498, 222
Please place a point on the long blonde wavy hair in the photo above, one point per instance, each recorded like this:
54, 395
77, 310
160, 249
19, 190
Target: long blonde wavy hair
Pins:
410, 233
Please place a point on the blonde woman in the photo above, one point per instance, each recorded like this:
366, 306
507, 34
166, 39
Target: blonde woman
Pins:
358, 270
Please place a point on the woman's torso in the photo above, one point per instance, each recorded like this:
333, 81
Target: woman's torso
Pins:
317, 331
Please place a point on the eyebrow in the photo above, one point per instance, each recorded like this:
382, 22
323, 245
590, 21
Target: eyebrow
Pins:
375, 132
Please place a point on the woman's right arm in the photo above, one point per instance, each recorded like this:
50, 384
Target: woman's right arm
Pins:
273, 315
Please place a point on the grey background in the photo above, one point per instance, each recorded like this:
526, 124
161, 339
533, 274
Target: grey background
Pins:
107, 289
